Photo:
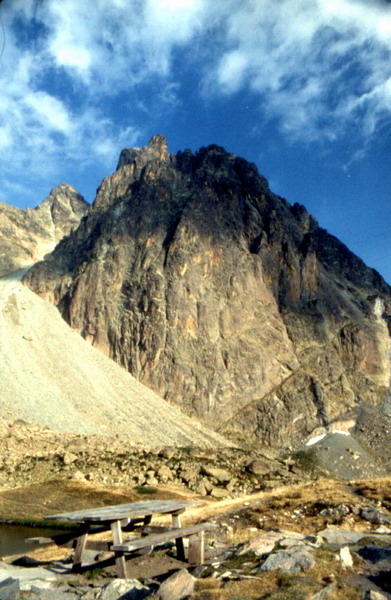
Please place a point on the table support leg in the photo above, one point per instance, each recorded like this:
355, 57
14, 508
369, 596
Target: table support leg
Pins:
196, 549
79, 549
147, 520
119, 557
180, 549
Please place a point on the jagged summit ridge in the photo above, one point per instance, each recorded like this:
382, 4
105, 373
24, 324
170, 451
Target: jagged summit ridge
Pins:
27, 235
157, 148
221, 296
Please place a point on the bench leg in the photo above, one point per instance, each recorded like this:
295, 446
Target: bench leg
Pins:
119, 556
180, 549
196, 549
79, 549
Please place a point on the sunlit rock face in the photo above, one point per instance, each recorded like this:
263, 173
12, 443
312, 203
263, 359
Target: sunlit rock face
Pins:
27, 235
221, 296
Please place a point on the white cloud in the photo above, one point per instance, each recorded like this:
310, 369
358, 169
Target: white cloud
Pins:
316, 65
49, 111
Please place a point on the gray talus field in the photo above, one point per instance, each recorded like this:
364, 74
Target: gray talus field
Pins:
51, 376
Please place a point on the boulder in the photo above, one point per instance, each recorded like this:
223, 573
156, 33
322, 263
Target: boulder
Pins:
258, 467
341, 537
221, 475
292, 560
177, 587
165, 474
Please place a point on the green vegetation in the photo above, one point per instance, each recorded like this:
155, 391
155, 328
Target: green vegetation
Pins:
185, 450
236, 561
94, 573
39, 523
145, 489
306, 459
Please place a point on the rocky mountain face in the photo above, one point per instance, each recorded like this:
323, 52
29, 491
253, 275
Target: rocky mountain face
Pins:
50, 377
221, 296
27, 235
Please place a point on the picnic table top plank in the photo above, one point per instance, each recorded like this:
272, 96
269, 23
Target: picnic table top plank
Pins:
123, 511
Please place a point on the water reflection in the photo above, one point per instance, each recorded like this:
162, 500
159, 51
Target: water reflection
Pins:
12, 538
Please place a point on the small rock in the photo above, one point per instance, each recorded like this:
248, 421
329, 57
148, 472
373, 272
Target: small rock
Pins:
263, 544
179, 585
219, 493
345, 557
152, 481
374, 515
200, 488
168, 453
69, 458
258, 467
383, 529
126, 589
327, 592
225, 575
337, 512
189, 475
373, 595
314, 540
78, 476
9, 589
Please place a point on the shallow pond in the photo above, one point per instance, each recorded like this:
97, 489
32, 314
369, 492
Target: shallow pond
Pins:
12, 538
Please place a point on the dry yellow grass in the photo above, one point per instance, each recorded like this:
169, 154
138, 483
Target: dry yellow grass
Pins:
274, 508
276, 586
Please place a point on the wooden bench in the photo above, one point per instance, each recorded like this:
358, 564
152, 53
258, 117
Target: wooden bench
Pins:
124, 517
195, 533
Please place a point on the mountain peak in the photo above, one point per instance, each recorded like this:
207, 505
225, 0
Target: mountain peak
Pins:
27, 235
156, 149
221, 296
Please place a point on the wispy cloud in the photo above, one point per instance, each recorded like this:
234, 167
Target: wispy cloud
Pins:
318, 66
64, 65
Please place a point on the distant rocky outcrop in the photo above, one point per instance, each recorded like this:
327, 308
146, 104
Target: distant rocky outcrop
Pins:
27, 235
221, 296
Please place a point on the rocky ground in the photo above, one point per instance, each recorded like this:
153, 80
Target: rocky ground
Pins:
33, 455
279, 544
276, 511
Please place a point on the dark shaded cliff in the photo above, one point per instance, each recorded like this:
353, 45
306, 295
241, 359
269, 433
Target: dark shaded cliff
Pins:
221, 296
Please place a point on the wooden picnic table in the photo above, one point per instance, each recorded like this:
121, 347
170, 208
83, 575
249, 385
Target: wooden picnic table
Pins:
126, 517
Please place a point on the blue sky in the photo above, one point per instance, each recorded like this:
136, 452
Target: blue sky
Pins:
300, 87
